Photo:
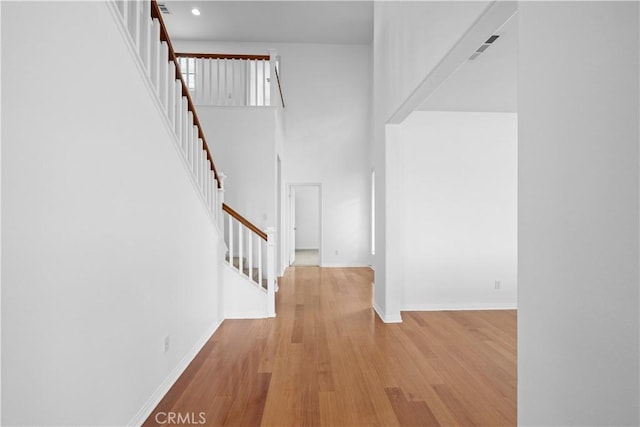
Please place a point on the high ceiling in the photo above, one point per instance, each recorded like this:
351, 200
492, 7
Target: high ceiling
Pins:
340, 22
488, 83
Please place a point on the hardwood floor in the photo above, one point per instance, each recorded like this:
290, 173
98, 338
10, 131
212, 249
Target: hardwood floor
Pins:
327, 359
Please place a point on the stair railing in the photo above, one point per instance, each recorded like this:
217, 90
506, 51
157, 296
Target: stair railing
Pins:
144, 27
251, 251
143, 24
220, 79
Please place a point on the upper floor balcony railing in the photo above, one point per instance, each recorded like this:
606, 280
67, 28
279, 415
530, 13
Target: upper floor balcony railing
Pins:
232, 80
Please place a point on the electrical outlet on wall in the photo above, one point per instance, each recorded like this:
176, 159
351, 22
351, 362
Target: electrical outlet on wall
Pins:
165, 343
497, 285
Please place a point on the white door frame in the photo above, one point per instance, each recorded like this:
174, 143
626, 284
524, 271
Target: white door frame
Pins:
290, 242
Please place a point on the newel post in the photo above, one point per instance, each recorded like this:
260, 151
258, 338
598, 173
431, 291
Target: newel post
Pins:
271, 271
221, 178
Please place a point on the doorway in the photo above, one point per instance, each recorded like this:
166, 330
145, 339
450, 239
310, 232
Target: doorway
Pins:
305, 225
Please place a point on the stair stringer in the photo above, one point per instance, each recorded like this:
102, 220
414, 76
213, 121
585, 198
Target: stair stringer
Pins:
243, 299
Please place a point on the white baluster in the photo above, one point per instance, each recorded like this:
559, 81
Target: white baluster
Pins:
200, 164
207, 186
163, 79
177, 106
234, 78
188, 119
214, 195
216, 198
260, 261
199, 82
223, 82
145, 10
220, 196
256, 83
230, 224
171, 92
154, 56
145, 33
264, 83
271, 277
240, 266
212, 198
247, 84
195, 153
233, 93
218, 82
198, 157
199, 161
250, 253
206, 76
210, 81
139, 29
186, 128
203, 169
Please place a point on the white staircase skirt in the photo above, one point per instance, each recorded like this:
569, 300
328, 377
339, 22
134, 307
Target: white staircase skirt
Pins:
243, 299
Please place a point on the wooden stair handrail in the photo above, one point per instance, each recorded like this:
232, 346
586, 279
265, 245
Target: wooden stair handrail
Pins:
244, 221
233, 56
222, 56
164, 36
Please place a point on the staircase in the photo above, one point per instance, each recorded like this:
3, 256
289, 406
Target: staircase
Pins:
253, 275
250, 251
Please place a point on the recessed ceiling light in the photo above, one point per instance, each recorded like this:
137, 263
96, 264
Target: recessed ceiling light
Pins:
195, 11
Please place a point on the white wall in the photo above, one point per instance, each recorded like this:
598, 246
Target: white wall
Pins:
0, 216
243, 144
459, 185
106, 246
307, 205
578, 213
327, 92
410, 39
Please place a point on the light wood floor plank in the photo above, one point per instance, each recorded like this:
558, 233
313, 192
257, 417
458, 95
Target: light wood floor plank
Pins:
328, 360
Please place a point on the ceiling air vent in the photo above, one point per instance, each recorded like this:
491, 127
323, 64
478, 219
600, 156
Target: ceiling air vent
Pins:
163, 8
484, 47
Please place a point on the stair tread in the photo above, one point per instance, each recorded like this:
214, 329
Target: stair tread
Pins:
245, 270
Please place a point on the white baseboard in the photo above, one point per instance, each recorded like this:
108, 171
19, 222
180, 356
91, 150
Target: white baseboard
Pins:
459, 307
247, 315
347, 265
163, 389
397, 318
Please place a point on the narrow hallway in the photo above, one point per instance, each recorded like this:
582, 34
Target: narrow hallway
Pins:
326, 359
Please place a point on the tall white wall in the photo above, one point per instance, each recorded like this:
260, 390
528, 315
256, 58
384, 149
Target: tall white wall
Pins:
327, 92
106, 247
578, 213
459, 190
410, 39
243, 144
0, 217
307, 217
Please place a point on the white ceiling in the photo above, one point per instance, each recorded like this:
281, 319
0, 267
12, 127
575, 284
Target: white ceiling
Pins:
340, 22
488, 83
